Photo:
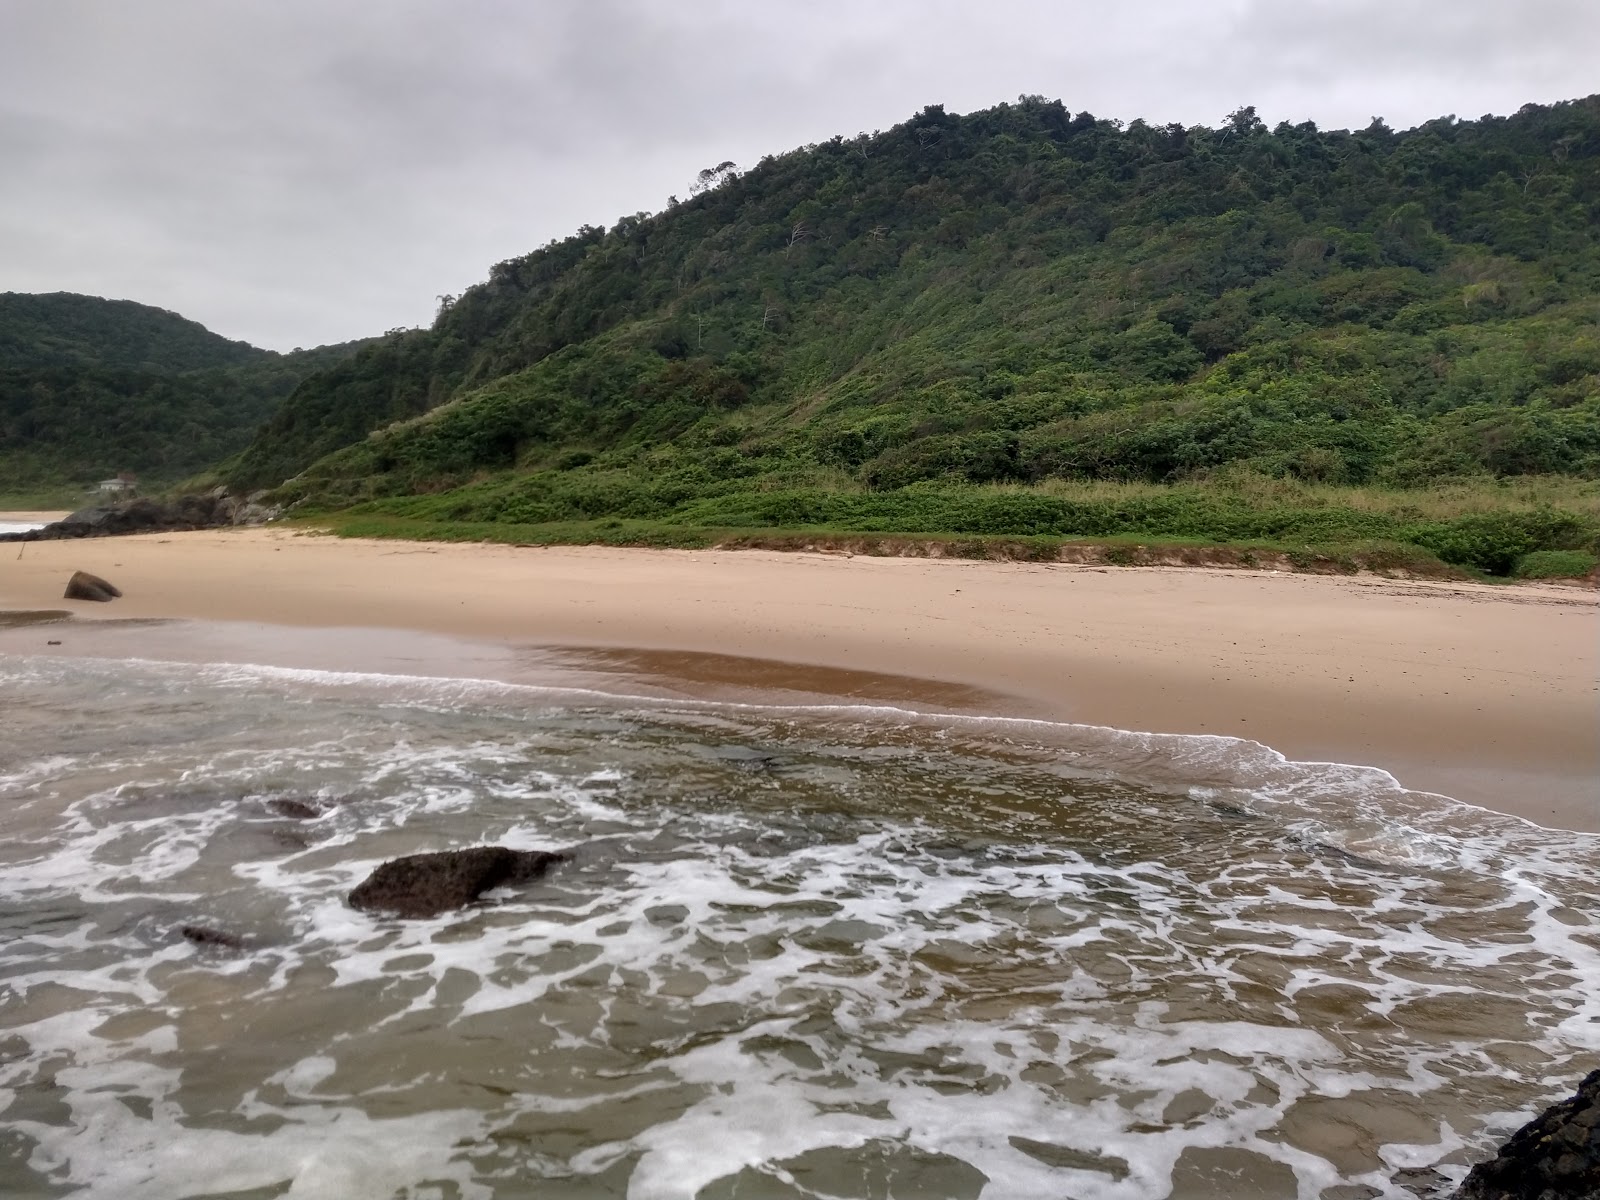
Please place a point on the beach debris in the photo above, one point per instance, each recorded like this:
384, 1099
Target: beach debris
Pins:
1555, 1156
84, 586
425, 885
204, 935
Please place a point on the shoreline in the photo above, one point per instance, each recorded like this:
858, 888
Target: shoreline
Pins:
16, 522
1483, 693
34, 516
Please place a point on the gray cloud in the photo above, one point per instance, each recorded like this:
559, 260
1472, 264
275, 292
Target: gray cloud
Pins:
294, 172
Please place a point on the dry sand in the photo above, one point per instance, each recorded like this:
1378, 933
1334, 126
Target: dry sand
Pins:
1487, 693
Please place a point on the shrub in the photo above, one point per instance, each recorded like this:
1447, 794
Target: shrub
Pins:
1556, 564
1494, 542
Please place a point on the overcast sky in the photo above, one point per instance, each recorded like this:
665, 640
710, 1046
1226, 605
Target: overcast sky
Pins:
294, 172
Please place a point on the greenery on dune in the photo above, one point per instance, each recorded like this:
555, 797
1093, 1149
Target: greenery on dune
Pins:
947, 327
1486, 528
92, 387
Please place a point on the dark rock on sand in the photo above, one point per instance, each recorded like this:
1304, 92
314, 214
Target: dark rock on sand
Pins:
425, 885
1556, 1156
204, 935
84, 586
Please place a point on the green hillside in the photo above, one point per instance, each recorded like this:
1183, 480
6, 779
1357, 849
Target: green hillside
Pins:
63, 329
91, 387
950, 326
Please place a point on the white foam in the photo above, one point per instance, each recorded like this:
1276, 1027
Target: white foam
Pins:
906, 933
328, 1153
1200, 764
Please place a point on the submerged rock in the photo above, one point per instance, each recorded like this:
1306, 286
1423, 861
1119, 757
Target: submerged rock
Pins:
1555, 1156
295, 810
425, 885
84, 586
204, 935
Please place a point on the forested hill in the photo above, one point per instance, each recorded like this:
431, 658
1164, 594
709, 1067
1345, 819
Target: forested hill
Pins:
90, 387
63, 329
1017, 294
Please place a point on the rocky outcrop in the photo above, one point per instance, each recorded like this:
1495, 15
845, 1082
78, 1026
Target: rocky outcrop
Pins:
196, 511
425, 885
1556, 1156
84, 586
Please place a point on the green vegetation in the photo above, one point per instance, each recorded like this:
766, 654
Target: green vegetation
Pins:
47, 499
968, 325
1124, 550
91, 387
1556, 564
1485, 528
1021, 323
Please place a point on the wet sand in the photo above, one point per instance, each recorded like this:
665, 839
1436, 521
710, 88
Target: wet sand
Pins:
1487, 693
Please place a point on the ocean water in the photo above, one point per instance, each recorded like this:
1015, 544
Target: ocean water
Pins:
800, 951
20, 526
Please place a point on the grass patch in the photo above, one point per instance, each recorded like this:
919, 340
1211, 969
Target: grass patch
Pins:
1477, 525
43, 500
568, 533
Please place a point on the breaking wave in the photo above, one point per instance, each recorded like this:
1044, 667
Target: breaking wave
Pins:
821, 951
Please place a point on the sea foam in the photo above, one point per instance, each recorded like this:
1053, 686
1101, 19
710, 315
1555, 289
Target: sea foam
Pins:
811, 950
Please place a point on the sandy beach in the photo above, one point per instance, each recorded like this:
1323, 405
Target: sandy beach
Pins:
1486, 693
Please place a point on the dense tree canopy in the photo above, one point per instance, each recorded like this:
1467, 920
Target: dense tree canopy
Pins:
89, 387
1021, 294
62, 329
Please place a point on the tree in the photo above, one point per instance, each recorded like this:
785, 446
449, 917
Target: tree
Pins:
711, 177
1243, 121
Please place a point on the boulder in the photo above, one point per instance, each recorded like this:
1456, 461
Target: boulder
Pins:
204, 935
252, 513
133, 516
425, 885
84, 586
1555, 1156
96, 516
194, 510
